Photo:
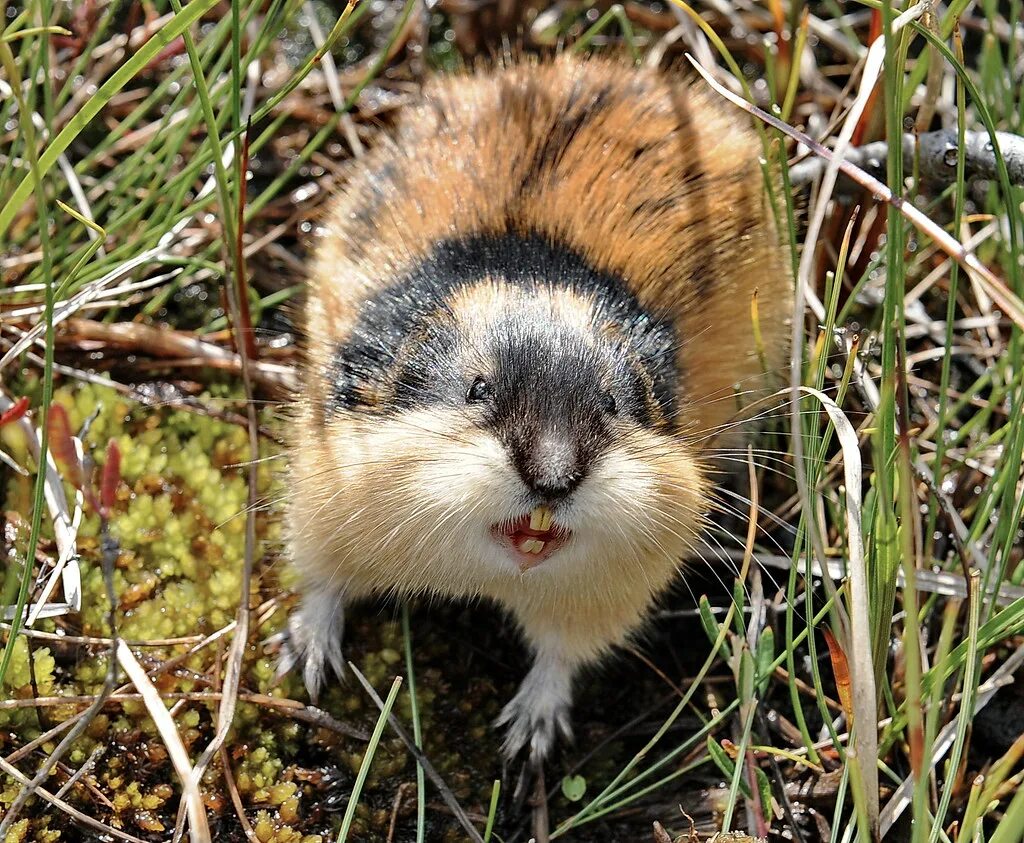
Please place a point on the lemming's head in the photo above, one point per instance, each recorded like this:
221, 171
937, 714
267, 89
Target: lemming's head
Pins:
506, 408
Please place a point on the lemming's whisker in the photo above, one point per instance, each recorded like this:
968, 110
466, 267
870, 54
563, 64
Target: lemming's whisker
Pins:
265, 503
741, 545
714, 568
767, 513
258, 461
754, 449
769, 539
763, 466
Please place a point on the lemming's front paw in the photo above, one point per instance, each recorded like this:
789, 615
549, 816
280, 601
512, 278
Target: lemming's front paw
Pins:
535, 718
313, 639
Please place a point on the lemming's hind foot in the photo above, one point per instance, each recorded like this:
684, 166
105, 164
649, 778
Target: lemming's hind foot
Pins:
313, 640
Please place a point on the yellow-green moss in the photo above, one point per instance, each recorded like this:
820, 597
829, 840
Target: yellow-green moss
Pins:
180, 528
179, 524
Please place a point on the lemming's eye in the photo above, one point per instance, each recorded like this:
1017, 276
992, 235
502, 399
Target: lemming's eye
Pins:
480, 390
609, 404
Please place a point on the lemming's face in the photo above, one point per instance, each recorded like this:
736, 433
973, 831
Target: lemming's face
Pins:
515, 435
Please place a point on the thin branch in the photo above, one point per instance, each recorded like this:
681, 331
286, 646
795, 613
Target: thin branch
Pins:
293, 708
236, 798
170, 344
90, 762
936, 155
424, 762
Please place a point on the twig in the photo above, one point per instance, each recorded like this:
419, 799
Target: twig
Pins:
105, 642
171, 344
90, 762
539, 803
936, 154
396, 806
943, 583
236, 799
422, 760
199, 829
295, 709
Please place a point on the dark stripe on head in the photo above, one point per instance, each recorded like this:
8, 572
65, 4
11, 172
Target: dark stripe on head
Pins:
699, 201
582, 105
405, 336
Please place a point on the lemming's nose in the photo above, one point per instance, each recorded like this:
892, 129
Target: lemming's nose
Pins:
551, 467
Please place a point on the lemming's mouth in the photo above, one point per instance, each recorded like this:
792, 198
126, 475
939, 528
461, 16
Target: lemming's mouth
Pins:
532, 538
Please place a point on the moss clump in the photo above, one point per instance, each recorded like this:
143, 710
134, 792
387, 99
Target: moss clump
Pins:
269, 829
28, 674
179, 525
32, 831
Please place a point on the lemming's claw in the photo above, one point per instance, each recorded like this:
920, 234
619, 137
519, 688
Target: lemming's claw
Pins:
535, 723
314, 640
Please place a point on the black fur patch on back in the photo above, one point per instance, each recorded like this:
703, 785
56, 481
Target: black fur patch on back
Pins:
402, 351
579, 110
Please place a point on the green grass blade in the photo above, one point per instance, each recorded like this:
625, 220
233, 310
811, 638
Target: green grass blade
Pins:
364, 766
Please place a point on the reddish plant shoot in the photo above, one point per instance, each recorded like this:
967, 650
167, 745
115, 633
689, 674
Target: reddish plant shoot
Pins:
841, 671
111, 477
12, 414
62, 445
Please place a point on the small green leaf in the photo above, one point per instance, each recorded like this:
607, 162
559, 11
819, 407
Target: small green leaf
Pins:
764, 657
739, 600
711, 626
573, 788
745, 677
764, 787
718, 755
